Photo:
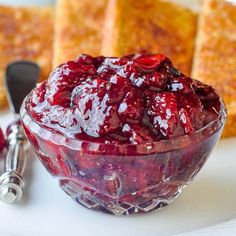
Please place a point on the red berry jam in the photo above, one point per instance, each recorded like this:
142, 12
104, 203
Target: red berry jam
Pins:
2, 141
123, 135
131, 100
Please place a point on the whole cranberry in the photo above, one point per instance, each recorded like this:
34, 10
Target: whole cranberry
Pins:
149, 62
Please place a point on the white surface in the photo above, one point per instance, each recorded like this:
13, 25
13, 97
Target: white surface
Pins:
47, 210
206, 207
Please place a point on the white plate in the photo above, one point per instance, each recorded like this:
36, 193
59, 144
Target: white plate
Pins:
206, 207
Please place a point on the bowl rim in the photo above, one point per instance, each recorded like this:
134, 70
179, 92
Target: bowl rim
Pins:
174, 143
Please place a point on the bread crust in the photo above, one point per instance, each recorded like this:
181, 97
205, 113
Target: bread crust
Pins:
215, 54
25, 34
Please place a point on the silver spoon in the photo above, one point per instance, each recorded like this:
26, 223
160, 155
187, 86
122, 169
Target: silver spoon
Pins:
20, 78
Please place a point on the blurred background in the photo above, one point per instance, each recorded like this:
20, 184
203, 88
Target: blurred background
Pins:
27, 2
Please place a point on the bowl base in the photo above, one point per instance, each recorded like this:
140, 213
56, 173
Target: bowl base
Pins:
120, 209
95, 201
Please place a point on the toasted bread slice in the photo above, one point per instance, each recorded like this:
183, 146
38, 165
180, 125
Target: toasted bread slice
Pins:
25, 33
155, 26
78, 28
215, 58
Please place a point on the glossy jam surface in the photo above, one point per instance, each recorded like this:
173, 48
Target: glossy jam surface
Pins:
130, 100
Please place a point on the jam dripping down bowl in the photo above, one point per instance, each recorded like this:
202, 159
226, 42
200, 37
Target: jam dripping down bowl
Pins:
123, 179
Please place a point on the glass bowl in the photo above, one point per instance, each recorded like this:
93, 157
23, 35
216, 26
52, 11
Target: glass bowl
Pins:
123, 179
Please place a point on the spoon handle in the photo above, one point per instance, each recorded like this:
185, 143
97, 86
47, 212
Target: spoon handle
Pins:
11, 182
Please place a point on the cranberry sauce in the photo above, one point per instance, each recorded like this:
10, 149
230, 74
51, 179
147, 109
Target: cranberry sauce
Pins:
134, 99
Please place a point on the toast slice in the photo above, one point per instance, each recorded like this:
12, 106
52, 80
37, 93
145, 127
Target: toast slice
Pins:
155, 26
215, 58
78, 28
25, 34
